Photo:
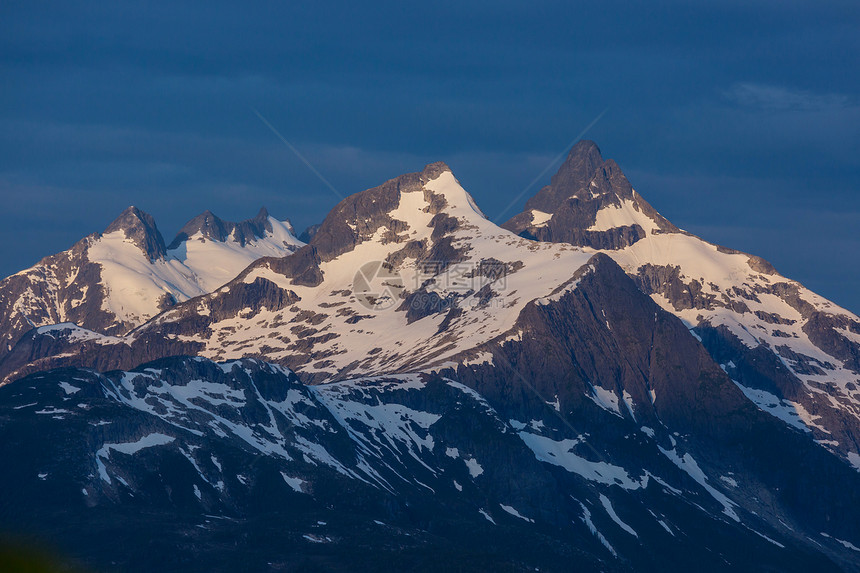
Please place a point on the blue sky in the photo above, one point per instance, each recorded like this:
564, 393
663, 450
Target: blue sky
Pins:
739, 121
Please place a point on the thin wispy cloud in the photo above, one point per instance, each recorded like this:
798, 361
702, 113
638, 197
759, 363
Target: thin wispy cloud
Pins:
779, 98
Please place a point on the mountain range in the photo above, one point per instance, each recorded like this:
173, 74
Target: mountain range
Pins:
114, 281
586, 386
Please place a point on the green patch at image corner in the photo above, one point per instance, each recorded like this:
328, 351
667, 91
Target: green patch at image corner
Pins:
18, 556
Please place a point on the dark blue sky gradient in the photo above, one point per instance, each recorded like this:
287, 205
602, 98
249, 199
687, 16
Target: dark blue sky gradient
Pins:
739, 121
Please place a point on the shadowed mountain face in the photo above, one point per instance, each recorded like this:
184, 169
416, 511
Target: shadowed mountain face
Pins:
187, 454
589, 386
582, 164
793, 353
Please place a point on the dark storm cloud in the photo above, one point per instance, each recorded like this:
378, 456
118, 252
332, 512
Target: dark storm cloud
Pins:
737, 120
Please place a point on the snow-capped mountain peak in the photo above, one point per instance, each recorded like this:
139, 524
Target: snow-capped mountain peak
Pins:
138, 227
359, 217
215, 250
794, 353
390, 270
208, 226
114, 281
589, 202
618, 380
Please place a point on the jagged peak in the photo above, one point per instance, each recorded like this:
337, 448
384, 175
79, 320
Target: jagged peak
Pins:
359, 216
140, 228
574, 177
586, 185
582, 162
209, 226
130, 217
433, 170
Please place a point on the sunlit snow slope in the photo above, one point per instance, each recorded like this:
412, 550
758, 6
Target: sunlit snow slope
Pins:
115, 281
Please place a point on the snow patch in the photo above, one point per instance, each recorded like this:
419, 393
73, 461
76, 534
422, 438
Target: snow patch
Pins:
846, 544
689, 466
560, 453
487, 516
297, 484
606, 399
607, 505
474, 467
789, 412
539, 218
68, 388
729, 481
586, 519
128, 448
515, 513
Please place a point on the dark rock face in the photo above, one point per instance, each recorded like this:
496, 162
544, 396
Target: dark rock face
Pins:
214, 228
420, 303
63, 346
607, 332
760, 265
302, 266
613, 239
669, 282
139, 227
60, 288
584, 185
356, 218
572, 178
823, 330
740, 292
411, 249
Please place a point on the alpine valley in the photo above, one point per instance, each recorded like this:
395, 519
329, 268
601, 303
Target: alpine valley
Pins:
411, 387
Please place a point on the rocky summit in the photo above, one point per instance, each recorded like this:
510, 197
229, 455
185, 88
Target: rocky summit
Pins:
412, 387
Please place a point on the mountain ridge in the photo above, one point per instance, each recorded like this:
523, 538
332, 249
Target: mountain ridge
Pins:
739, 300
209, 226
589, 375
601, 203
128, 261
